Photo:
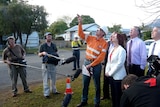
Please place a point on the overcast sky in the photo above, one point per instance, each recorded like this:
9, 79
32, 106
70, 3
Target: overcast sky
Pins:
104, 12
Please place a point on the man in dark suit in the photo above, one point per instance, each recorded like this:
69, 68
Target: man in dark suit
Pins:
106, 94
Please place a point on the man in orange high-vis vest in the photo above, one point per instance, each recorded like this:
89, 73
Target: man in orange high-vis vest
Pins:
95, 54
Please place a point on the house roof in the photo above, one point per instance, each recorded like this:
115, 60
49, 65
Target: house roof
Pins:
154, 23
84, 27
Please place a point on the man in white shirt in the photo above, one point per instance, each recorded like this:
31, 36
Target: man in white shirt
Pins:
136, 53
154, 47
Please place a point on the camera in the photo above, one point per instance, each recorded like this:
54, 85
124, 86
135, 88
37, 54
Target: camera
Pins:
154, 65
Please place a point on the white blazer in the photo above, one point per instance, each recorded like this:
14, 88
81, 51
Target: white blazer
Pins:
115, 66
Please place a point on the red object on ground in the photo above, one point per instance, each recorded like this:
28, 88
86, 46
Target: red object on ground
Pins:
68, 86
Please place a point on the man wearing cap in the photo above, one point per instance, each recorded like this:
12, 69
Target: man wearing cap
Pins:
13, 55
95, 54
48, 65
76, 52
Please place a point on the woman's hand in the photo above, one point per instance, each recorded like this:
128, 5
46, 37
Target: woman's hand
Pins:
106, 74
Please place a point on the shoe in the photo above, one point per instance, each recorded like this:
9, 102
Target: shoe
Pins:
82, 104
104, 98
47, 97
57, 93
14, 95
28, 91
96, 105
73, 69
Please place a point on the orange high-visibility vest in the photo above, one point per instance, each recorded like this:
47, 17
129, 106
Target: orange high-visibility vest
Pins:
96, 48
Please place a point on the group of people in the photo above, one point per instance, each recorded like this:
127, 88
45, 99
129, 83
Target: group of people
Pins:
143, 91
124, 66
14, 56
114, 64
122, 60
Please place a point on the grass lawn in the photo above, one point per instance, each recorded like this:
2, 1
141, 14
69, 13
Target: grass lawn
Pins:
36, 98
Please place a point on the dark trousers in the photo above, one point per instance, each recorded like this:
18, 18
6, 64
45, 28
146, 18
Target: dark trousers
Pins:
76, 53
150, 70
105, 86
116, 91
14, 71
135, 69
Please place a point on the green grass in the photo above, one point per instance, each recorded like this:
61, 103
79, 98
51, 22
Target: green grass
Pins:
32, 50
36, 98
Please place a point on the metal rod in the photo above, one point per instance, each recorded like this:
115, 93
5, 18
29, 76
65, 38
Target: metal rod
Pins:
55, 57
66, 75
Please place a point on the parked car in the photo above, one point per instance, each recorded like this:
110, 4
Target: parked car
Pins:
148, 42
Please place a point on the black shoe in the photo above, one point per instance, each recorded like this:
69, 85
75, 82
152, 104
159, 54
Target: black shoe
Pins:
14, 95
96, 105
73, 69
28, 91
104, 98
82, 104
47, 97
56, 93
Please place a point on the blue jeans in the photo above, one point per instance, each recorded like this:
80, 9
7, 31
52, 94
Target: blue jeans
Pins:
86, 81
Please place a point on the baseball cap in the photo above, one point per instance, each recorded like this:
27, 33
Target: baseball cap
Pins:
105, 29
47, 33
10, 37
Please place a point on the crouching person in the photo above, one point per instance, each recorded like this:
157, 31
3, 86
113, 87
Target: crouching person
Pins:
140, 92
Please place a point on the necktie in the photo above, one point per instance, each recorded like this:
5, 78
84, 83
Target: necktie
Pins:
129, 57
153, 48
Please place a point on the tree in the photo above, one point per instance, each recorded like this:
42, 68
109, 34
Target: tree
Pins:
66, 19
147, 35
115, 28
58, 27
151, 7
19, 17
85, 18
4, 2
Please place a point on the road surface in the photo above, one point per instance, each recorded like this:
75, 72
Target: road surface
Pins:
35, 75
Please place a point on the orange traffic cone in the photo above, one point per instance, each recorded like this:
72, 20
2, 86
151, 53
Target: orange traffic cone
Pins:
68, 86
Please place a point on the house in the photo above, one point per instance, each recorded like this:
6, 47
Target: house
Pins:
33, 40
153, 24
72, 32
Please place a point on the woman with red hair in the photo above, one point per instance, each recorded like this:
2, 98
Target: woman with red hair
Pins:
115, 68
